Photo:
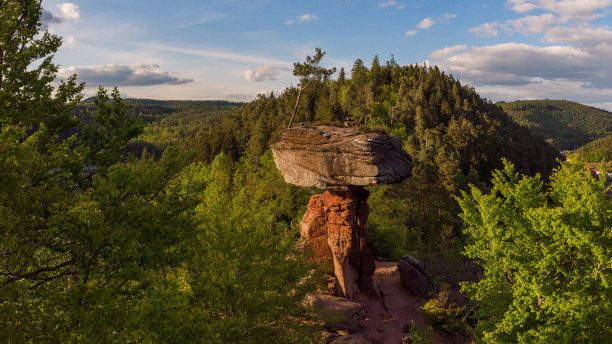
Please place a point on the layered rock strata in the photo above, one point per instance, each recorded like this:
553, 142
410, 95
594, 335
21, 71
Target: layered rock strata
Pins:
341, 161
340, 158
334, 229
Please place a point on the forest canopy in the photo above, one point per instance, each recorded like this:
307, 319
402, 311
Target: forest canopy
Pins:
192, 237
566, 125
99, 246
598, 150
546, 256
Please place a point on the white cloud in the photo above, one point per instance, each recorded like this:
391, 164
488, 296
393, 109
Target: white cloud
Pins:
580, 10
219, 55
576, 67
69, 10
207, 17
531, 25
118, 75
521, 6
69, 42
262, 73
302, 19
307, 18
579, 36
521, 64
446, 52
595, 40
426, 23
411, 33
605, 105
485, 30
447, 16
391, 3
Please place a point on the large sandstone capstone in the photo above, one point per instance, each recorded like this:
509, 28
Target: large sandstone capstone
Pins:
340, 158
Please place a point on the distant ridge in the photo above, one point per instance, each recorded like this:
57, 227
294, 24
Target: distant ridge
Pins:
174, 103
595, 151
565, 124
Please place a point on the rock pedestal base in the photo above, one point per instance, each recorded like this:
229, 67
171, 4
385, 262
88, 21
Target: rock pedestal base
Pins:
334, 228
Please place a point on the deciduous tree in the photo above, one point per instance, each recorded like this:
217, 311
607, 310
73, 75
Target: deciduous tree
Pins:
546, 257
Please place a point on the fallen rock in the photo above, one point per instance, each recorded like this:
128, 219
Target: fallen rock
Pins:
340, 158
352, 339
413, 277
338, 313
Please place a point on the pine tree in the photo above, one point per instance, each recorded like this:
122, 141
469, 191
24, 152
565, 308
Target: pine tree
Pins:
309, 72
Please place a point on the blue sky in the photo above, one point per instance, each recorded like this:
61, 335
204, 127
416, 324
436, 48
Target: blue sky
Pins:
235, 49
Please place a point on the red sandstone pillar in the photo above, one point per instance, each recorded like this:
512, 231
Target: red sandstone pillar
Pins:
334, 228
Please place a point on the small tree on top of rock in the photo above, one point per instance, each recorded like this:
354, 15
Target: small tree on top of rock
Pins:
309, 72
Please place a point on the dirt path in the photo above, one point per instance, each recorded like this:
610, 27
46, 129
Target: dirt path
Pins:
390, 314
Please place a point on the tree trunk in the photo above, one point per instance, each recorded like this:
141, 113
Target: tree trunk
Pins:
297, 102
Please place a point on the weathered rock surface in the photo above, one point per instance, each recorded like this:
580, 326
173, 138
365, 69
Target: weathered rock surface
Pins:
335, 230
338, 313
328, 337
352, 339
342, 161
413, 277
340, 158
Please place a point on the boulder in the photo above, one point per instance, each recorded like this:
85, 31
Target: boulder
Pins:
340, 158
413, 277
351, 339
338, 313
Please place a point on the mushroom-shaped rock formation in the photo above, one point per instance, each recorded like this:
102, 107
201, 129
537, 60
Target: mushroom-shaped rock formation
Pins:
339, 158
342, 161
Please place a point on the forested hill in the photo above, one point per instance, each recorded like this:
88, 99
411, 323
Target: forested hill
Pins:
566, 125
595, 151
446, 126
166, 121
175, 103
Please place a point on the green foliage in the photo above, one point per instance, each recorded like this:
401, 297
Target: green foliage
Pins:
310, 72
75, 263
166, 123
388, 235
598, 150
247, 275
566, 125
546, 256
146, 250
114, 129
27, 70
110, 255
419, 335
444, 315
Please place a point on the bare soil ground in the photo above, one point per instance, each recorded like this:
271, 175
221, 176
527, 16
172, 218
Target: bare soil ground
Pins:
389, 317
